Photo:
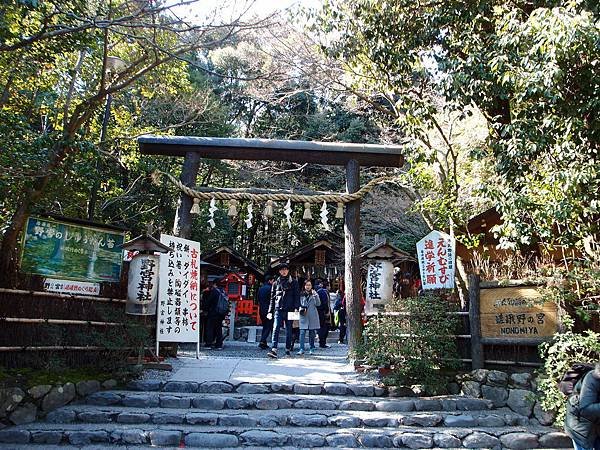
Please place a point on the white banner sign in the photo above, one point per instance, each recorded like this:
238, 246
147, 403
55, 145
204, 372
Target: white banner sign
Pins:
71, 287
142, 285
178, 312
436, 253
380, 282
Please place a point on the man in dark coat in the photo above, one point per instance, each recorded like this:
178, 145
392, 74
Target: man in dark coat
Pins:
583, 412
214, 321
324, 313
264, 299
285, 297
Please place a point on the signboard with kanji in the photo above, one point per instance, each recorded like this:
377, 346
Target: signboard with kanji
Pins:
380, 282
178, 312
436, 254
516, 312
71, 287
142, 285
63, 250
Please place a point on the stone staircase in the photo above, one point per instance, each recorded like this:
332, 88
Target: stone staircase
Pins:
277, 415
254, 333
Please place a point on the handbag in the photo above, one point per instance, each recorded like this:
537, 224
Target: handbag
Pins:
303, 311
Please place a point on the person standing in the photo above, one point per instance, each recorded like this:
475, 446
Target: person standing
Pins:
583, 412
309, 316
285, 297
264, 299
324, 313
339, 310
214, 321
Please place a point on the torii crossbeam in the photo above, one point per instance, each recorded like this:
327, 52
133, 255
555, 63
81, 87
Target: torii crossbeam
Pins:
352, 156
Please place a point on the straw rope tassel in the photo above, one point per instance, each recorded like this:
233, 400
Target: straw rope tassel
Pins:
339, 212
307, 214
195, 207
268, 209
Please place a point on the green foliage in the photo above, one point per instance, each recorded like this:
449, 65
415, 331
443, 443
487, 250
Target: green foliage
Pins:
415, 343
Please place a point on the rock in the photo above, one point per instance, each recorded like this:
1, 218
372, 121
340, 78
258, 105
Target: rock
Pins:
379, 391
335, 388
85, 388
208, 402
313, 389
395, 406
46, 437
211, 440
24, 414
214, 387
247, 388
461, 420
274, 403
240, 403
180, 386
315, 404
497, 378
520, 401
131, 417
144, 385
263, 438
308, 420
453, 388
521, 380
307, 440
95, 416
376, 440
555, 439
167, 417
400, 391
346, 440
544, 417
448, 404
141, 400
444, 440
104, 399
413, 440
110, 384
87, 437
165, 438
238, 420
479, 375
357, 405
362, 390
497, 395
9, 399
472, 404
490, 421
478, 439
131, 436
380, 422
471, 389
14, 436
58, 396
344, 421
424, 420
520, 441
428, 405
202, 418
282, 387
39, 391
60, 416
272, 421
169, 401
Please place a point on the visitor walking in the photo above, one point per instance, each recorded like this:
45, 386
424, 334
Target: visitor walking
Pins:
215, 317
339, 311
324, 312
264, 299
309, 316
285, 298
583, 412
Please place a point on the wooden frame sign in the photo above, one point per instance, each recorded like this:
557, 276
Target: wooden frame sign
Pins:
516, 313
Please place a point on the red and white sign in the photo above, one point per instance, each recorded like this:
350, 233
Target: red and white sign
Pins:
71, 287
436, 253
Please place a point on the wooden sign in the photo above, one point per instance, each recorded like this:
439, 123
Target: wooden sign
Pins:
516, 313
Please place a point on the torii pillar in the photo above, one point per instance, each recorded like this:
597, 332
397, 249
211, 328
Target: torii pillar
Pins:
351, 156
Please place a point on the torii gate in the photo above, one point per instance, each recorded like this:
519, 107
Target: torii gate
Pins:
352, 156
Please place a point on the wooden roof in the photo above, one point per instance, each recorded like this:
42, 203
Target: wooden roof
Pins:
246, 262
274, 150
385, 250
300, 252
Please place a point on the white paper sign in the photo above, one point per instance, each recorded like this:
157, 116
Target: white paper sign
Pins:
178, 314
142, 285
71, 287
380, 282
436, 253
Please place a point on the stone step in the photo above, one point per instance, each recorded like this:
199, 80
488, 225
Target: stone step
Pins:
201, 436
252, 400
284, 417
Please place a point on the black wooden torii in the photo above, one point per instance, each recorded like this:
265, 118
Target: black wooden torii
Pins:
352, 156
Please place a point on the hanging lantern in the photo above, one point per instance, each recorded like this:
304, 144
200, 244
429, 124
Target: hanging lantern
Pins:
307, 214
268, 209
339, 212
232, 211
195, 207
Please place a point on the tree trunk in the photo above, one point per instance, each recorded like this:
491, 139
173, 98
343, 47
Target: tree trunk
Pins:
352, 258
183, 218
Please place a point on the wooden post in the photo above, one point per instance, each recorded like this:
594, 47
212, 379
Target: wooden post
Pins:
352, 257
182, 226
477, 358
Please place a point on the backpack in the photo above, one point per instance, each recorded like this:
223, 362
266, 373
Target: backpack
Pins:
572, 376
222, 307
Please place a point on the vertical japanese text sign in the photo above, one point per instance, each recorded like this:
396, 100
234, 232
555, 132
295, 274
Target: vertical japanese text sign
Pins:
380, 282
178, 313
436, 253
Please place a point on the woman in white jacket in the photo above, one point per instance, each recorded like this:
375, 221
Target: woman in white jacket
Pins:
309, 316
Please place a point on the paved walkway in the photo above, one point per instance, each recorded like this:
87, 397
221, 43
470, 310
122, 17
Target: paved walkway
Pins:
240, 363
